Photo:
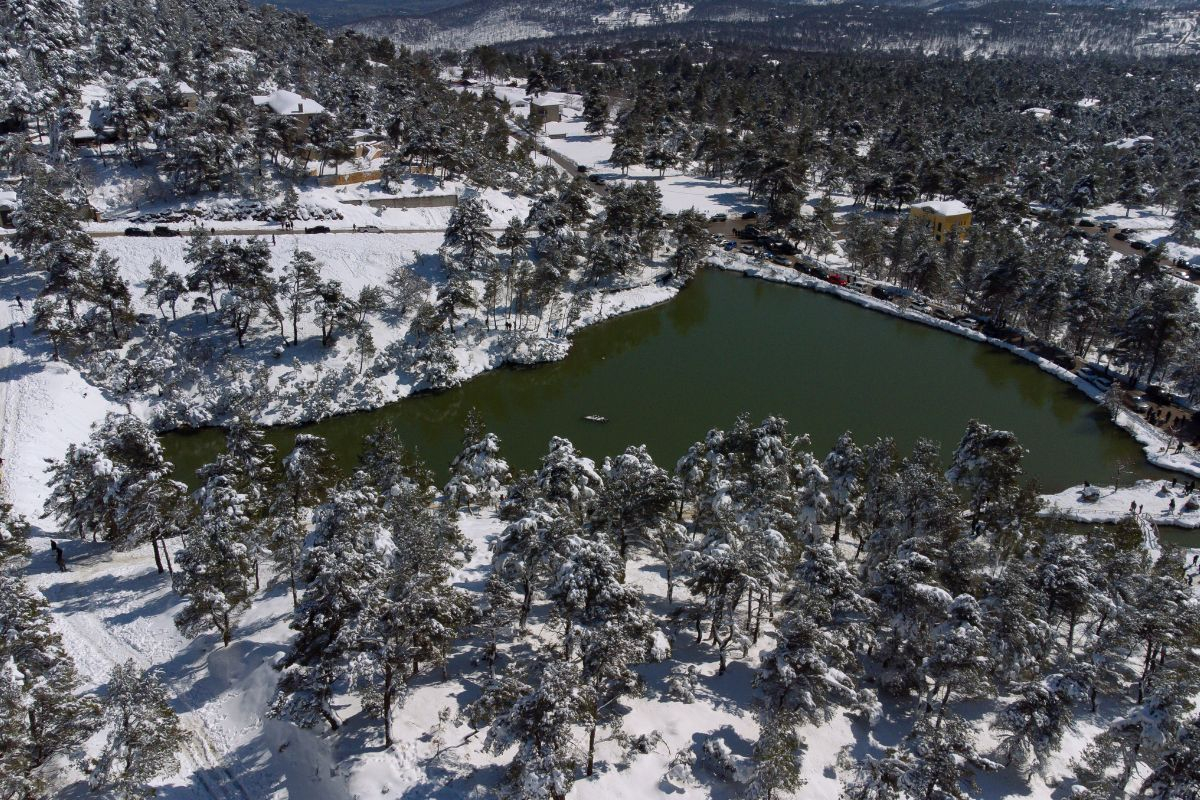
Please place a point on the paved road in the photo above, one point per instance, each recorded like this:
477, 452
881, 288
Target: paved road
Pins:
267, 232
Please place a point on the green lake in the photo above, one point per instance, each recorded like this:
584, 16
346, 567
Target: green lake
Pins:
727, 345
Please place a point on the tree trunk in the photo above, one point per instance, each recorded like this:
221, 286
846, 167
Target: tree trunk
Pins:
591, 750
167, 555
157, 559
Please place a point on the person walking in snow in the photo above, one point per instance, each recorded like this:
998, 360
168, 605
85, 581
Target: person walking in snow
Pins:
59, 557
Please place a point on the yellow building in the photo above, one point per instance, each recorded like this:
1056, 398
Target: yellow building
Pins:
943, 217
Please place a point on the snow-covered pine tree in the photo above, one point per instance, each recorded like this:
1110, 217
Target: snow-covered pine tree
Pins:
638, 497
958, 657
344, 566
14, 544
1033, 724
216, 566
308, 473
987, 464
616, 634
118, 486
478, 472
1177, 775
541, 722
843, 466
144, 735
944, 760
468, 242
568, 480
42, 714
778, 756
298, 287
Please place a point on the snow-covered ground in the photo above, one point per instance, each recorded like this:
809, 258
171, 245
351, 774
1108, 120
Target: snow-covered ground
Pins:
680, 190
1105, 504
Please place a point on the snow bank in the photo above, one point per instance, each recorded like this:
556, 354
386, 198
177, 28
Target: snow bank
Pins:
1153, 497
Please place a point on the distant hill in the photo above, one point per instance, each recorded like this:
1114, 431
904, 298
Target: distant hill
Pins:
564, 18
967, 27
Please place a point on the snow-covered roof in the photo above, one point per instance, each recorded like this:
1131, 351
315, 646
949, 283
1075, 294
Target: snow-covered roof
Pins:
1088, 102
1130, 142
182, 87
544, 103
945, 208
286, 103
8, 199
1038, 112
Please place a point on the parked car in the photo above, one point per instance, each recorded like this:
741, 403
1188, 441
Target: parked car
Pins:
750, 215
317, 229
837, 279
1139, 245
1086, 223
163, 230
596, 179
782, 261
1128, 231
1107, 226
719, 218
751, 232
581, 168
730, 246
1121, 237
1139, 403
859, 286
747, 249
370, 229
136, 232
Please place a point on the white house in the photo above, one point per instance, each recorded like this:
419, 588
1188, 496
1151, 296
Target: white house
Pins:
290, 104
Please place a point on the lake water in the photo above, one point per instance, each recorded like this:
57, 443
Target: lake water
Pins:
726, 345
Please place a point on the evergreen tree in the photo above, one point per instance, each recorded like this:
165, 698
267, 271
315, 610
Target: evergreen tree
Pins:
144, 735
477, 471
42, 716
308, 474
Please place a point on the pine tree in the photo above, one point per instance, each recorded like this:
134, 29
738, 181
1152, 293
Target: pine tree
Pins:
637, 498
341, 570
216, 565
778, 756
308, 474
42, 716
1177, 776
298, 287
540, 723
478, 471
144, 735
843, 467
1033, 725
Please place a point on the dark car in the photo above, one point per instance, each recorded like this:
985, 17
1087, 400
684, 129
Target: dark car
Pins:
595, 179
719, 218
581, 168
1121, 237
1086, 223
317, 229
136, 232
750, 215
1139, 245
163, 230
751, 232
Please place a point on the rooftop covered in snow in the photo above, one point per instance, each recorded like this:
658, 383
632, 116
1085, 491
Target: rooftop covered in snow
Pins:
288, 104
945, 208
